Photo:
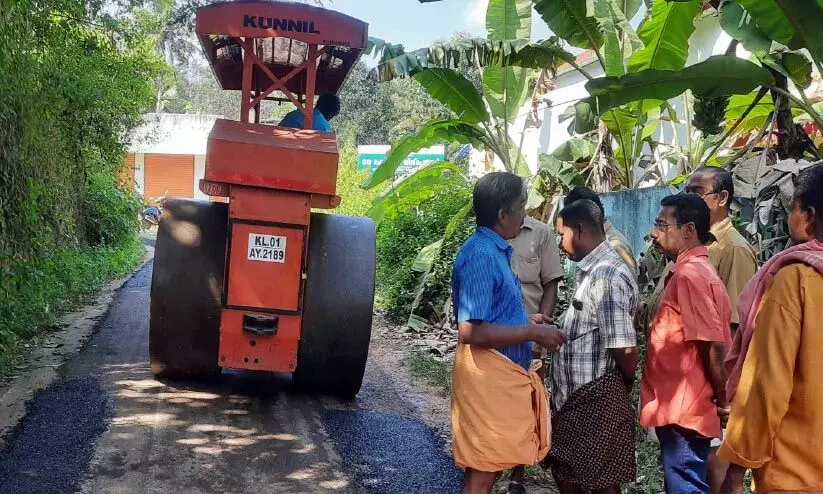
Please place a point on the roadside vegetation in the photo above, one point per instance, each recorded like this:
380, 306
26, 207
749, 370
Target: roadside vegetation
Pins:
76, 81
431, 371
45, 288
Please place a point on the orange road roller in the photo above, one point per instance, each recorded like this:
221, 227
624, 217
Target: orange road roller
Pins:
256, 278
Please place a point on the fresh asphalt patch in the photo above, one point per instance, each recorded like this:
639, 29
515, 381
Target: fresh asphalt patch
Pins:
388, 454
50, 449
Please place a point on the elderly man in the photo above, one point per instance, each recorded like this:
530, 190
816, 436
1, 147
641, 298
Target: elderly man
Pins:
499, 408
594, 420
774, 364
616, 239
736, 264
683, 377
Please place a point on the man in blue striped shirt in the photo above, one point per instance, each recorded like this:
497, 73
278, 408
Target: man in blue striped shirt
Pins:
487, 298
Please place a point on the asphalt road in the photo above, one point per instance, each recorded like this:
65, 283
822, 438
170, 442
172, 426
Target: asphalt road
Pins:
107, 426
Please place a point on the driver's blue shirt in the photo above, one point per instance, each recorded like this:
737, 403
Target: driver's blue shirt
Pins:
294, 119
484, 288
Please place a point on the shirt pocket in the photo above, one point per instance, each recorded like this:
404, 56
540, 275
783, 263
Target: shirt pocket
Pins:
579, 322
527, 268
667, 325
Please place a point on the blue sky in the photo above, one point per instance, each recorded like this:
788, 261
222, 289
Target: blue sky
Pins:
416, 25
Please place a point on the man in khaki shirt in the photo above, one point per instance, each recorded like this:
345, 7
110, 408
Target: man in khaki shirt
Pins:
732, 256
536, 261
736, 263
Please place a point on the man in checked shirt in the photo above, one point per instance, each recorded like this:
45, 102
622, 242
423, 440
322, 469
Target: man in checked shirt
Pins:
593, 420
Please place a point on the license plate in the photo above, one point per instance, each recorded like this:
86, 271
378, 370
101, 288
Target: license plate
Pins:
267, 248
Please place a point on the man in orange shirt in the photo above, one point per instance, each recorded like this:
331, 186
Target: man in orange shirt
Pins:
683, 376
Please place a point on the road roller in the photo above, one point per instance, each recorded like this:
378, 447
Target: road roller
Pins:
262, 276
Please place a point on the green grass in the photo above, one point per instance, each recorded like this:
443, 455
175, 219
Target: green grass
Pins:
424, 367
34, 293
649, 468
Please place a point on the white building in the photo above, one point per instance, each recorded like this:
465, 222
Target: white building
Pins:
167, 155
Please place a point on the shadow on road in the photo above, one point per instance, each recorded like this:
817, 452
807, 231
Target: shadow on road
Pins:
107, 425
236, 434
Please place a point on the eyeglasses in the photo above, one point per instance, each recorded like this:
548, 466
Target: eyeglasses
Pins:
702, 195
662, 226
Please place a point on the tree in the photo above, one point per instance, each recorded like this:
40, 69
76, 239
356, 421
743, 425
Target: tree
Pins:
76, 82
479, 116
373, 113
199, 92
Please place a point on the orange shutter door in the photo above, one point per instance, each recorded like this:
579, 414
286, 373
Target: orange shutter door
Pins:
168, 174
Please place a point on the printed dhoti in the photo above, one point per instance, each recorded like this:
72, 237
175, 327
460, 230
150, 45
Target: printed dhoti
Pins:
593, 436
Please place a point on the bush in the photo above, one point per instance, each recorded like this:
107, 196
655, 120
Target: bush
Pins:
399, 240
355, 200
34, 292
73, 91
112, 214
75, 83
437, 291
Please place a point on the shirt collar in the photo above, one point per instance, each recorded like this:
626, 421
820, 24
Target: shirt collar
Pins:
591, 259
693, 253
721, 229
527, 223
607, 226
496, 239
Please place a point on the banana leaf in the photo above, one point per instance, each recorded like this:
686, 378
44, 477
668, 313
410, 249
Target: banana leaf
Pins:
456, 93
434, 132
719, 75
665, 35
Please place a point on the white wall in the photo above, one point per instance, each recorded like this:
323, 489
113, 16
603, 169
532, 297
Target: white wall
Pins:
169, 133
199, 174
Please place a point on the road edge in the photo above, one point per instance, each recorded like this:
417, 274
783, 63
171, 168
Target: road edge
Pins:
43, 363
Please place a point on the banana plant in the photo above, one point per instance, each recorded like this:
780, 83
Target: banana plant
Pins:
624, 128
650, 63
481, 116
773, 32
